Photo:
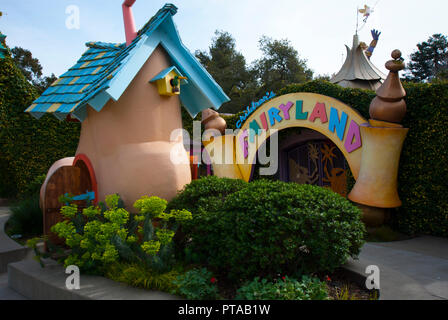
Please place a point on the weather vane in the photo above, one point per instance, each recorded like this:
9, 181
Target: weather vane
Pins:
366, 12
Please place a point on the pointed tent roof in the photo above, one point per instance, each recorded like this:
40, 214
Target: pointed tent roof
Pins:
105, 70
357, 70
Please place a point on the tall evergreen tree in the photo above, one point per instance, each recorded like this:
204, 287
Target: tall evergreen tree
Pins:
280, 65
31, 69
430, 61
228, 67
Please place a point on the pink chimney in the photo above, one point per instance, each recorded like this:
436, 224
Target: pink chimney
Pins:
129, 23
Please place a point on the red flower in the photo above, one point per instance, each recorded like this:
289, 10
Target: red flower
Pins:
283, 277
328, 278
213, 280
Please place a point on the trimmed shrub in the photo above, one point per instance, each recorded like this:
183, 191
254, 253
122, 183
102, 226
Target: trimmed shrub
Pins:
285, 289
203, 198
205, 194
273, 227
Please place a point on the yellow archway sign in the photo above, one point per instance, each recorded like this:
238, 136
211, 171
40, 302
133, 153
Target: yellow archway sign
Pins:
332, 118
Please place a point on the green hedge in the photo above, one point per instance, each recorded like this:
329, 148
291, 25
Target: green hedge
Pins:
28, 146
265, 228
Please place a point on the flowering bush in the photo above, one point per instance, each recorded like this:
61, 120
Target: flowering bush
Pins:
102, 235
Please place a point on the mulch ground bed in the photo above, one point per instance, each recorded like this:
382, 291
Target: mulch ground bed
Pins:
341, 285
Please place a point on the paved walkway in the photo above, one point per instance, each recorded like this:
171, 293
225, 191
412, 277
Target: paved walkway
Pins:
415, 269
6, 293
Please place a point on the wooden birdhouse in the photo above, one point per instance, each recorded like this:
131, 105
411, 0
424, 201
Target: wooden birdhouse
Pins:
168, 81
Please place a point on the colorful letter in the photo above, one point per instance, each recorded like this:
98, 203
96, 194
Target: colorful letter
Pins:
244, 144
300, 115
253, 130
264, 122
337, 124
273, 115
320, 112
285, 109
353, 133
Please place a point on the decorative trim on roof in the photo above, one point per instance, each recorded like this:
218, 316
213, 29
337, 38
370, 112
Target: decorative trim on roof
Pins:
105, 71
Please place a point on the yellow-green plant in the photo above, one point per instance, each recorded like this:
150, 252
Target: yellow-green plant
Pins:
102, 235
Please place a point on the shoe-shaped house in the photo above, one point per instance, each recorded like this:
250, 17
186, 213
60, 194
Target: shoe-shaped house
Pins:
128, 98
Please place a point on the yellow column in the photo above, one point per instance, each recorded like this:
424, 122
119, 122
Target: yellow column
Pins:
376, 185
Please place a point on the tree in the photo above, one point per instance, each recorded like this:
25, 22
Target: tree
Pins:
325, 77
31, 69
280, 65
228, 67
430, 61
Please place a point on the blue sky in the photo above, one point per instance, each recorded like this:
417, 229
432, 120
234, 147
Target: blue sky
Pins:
318, 29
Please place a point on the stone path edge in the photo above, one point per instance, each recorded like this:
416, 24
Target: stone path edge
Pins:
32, 281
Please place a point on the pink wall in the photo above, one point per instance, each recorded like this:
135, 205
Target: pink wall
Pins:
128, 142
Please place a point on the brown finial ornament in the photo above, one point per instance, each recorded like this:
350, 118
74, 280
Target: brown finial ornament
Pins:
212, 120
389, 104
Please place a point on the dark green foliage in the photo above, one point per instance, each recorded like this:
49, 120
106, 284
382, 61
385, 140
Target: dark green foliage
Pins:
138, 275
280, 65
430, 61
228, 68
285, 289
31, 69
202, 197
197, 284
423, 174
28, 146
26, 217
273, 227
205, 194
34, 186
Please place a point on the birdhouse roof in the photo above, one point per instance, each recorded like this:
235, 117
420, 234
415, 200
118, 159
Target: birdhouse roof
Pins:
105, 70
166, 72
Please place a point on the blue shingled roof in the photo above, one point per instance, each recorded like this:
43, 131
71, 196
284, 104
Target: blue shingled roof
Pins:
106, 69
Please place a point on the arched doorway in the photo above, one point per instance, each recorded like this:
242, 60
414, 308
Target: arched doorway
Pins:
307, 157
74, 176
332, 119
317, 162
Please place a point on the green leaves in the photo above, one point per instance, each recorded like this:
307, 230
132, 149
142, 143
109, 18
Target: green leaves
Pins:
197, 284
270, 227
283, 289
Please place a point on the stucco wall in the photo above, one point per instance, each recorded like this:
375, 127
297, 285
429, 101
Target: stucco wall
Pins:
128, 141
